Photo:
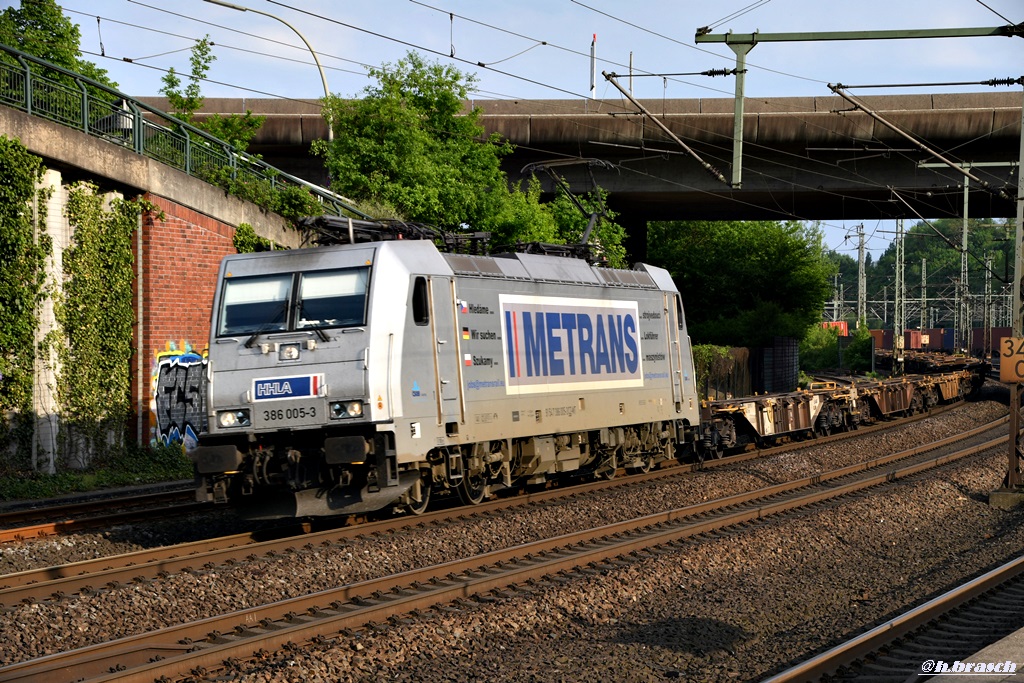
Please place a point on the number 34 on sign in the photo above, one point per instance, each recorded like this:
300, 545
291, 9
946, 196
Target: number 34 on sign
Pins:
1011, 359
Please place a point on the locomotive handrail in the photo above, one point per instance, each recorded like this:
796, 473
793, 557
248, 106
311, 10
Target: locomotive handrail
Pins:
51, 92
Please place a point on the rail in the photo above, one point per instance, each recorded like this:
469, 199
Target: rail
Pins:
56, 94
209, 645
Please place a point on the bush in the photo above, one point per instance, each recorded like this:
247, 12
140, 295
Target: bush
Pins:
129, 466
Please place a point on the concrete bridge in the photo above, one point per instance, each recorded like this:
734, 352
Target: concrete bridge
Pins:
804, 158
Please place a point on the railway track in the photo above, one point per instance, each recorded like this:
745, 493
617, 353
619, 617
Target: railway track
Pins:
205, 645
111, 571
949, 628
61, 518
52, 519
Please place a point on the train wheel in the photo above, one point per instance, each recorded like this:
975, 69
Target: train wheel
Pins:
824, 426
609, 467
472, 488
418, 508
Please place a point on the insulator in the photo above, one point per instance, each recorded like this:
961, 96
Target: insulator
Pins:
1004, 81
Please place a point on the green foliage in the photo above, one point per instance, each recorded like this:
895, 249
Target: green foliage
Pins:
607, 235
294, 202
819, 349
97, 317
246, 240
857, 356
713, 365
40, 28
938, 243
22, 288
187, 102
238, 130
132, 465
407, 143
289, 201
744, 282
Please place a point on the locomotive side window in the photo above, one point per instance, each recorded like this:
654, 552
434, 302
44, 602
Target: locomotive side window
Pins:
255, 304
334, 298
420, 307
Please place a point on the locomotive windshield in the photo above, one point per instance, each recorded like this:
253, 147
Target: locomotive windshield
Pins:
294, 301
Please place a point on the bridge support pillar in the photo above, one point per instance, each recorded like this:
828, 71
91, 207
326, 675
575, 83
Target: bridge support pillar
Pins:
636, 238
47, 363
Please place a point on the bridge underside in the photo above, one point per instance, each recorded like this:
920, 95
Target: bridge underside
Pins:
803, 158
827, 186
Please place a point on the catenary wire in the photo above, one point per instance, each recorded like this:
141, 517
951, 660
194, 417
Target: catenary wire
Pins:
251, 90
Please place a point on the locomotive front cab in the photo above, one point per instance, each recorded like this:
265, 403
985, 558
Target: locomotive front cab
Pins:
290, 422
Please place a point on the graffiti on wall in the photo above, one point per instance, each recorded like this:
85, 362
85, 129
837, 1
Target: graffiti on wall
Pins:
179, 395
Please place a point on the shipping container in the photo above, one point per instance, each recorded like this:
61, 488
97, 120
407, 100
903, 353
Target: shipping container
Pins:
936, 339
841, 325
879, 337
948, 339
998, 334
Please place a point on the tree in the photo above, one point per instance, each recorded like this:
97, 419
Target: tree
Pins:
819, 349
409, 145
187, 102
406, 144
40, 28
238, 130
745, 282
857, 356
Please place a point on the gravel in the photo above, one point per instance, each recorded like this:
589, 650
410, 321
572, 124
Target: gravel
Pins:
729, 607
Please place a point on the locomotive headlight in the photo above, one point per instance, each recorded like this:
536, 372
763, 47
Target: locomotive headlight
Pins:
233, 418
288, 352
343, 409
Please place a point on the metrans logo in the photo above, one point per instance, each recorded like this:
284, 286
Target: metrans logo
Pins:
558, 344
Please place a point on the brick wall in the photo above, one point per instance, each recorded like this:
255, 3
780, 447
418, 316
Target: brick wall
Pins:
177, 256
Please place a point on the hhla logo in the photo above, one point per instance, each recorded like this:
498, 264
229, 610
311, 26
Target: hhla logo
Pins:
270, 388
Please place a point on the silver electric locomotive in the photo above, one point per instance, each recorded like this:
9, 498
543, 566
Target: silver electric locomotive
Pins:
350, 378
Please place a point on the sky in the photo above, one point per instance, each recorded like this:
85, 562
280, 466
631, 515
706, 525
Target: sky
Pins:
540, 49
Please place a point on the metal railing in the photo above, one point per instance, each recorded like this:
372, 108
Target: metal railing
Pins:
51, 92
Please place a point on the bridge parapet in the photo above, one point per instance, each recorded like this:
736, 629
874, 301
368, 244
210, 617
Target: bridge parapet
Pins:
73, 100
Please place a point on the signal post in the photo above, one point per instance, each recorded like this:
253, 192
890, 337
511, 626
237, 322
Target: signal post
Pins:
1011, 358
1011, 371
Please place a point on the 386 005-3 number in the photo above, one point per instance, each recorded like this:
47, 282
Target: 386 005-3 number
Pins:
289, 413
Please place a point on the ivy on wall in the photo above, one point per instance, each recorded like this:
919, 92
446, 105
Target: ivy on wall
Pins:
714, 366
246, 241
289, 201
22, 287
96, 317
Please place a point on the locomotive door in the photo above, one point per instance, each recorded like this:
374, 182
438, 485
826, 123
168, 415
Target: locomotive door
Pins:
447, 369
675, 361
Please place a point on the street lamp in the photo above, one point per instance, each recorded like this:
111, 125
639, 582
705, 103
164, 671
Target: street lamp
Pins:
323, 77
